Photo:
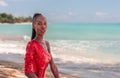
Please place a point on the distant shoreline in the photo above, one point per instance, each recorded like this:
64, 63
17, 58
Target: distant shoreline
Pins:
22, 23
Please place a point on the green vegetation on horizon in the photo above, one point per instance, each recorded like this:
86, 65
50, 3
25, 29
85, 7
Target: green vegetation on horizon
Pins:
9, 18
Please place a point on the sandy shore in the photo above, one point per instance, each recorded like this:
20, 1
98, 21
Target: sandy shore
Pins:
15, 70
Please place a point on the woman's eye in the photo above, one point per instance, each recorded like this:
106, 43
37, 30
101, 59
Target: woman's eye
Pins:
39, 23
44, 23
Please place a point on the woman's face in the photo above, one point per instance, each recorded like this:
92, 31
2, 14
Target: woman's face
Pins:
40, 25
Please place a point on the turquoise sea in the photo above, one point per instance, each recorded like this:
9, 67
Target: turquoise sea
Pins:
70, 31
89, 43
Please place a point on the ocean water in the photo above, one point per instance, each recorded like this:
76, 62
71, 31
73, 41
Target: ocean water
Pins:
84, 31
77, 46
73, 31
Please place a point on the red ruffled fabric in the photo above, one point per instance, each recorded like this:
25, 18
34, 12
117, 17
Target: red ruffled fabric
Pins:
36, 59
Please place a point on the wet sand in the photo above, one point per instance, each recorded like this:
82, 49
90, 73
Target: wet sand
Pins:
15, 70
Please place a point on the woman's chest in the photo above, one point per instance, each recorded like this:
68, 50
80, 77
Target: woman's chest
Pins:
42, 55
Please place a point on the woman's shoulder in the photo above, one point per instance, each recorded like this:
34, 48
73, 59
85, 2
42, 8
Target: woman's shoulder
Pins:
31, 42
47, 42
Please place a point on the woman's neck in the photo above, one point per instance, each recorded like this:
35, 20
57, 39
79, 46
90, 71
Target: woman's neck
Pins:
39, 38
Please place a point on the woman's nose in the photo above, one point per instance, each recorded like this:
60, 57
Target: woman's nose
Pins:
43, 26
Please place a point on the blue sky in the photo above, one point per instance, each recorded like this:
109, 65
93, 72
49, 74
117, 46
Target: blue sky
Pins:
78, 11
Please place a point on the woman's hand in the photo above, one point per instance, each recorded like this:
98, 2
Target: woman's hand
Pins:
31, 75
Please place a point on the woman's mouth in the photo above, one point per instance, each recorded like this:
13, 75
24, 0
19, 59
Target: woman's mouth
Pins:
43, 31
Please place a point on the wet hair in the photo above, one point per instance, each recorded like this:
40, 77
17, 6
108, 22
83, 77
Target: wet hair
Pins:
33, 30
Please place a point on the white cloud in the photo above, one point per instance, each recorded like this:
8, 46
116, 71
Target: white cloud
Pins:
101, 14
72, 14
3, 3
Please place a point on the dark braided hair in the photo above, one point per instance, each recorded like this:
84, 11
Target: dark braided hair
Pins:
33, 30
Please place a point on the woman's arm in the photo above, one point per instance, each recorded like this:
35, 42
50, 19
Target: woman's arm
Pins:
29, 61
52, 64
54, 69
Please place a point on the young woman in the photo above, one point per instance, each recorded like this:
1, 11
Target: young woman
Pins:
38, 54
